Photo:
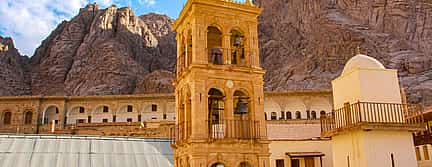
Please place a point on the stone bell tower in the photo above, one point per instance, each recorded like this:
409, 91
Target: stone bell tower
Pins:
219, 86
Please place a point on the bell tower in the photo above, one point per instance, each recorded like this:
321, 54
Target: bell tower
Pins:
219, 86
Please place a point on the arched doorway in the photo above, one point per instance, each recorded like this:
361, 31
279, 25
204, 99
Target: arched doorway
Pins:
51, 114
216, 107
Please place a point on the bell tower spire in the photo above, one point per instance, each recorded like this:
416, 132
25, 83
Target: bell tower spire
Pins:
219, 86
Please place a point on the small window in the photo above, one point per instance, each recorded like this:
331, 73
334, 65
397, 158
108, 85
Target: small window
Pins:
129, 108
114, 118
104, 120
28, 118
129, 120
280, 163
81, 110
80, 121
308, 115
105, 109
154, 107
323, 114
139, 118
273, 116
298, 115
282, 115
89, 119
265, 116
56, 121
313, 115
417, 151
57, 110
7, 118
164, 116
295, 163
288, 115
154, 118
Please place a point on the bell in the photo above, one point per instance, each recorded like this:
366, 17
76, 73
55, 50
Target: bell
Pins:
242, 108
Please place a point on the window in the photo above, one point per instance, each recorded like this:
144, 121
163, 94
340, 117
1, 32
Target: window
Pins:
265, 116
288, 115
129, 120
80, 121
28, 118
298, 115
154, 107
313, 115
89, 119
295, 163
129, 108
7, 118
154, 118
105, 109
426, 152
214, 44
282, 115
114, 118
57, 110
308, 116
273, 116
105, 120
56, 121
280, 163
139, 118
323, 114
417, 151
164, 116
81, 110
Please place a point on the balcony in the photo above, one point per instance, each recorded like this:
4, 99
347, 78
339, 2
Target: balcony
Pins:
223, 130
369, 116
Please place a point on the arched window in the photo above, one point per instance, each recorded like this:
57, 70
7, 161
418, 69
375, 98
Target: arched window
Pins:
273, 116
28, 117
237, 48
313, 115
307, 114
298, 115
214, 45
288, 115
323, 114
51, 113
7, 117
216, 106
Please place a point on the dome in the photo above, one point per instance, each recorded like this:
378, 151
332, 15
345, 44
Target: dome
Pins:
362, 61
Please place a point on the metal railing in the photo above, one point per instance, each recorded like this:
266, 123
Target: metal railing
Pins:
369, 112
223, 129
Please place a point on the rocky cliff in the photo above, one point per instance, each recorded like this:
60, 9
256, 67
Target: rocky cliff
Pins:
14, 80
305, 43
101, 52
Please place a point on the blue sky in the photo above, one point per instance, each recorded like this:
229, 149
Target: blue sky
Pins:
29, 22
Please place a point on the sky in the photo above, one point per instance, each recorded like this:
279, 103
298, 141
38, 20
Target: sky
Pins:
29, 22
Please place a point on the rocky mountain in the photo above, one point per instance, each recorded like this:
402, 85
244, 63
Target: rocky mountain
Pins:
101, 52
305, 43
14, 80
